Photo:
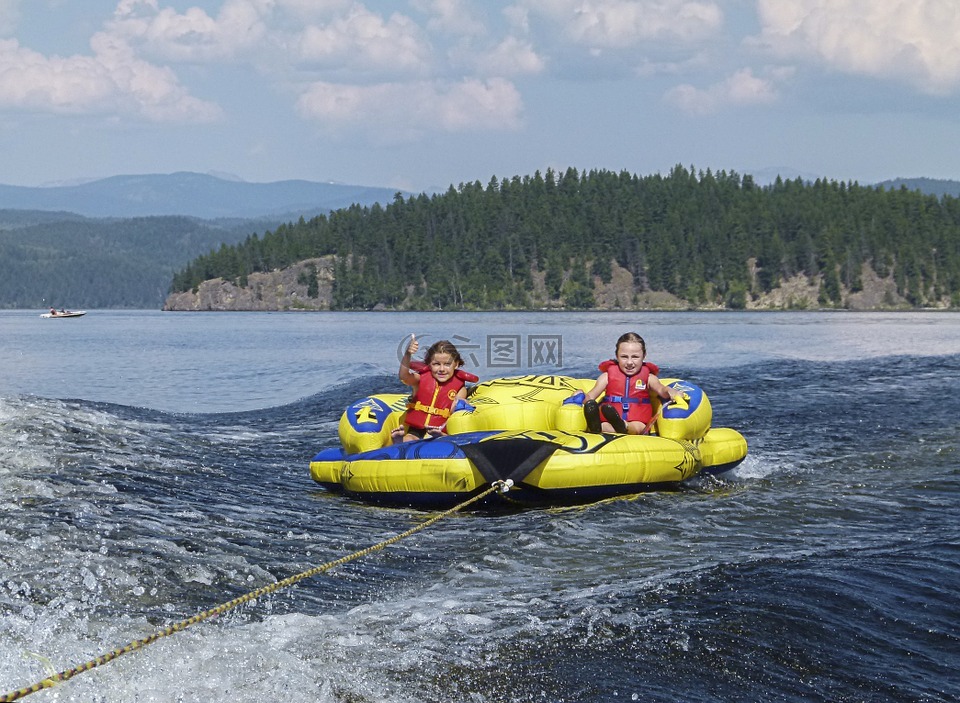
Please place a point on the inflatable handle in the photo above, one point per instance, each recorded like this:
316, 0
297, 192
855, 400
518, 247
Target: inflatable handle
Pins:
462, 405
689, 416
682, 401
576, 399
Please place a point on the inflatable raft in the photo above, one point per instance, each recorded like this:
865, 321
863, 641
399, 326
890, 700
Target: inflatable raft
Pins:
531, 430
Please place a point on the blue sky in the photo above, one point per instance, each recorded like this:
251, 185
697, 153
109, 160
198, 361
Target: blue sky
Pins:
421, 94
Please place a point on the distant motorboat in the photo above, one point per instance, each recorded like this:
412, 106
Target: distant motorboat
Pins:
64, 313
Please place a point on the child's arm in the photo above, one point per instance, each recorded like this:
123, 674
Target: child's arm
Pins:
408, 377
598, 388
661, 389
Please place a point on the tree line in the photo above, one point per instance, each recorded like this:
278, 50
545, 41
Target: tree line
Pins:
706, 237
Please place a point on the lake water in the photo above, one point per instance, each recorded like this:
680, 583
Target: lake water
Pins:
220, 362
154, 465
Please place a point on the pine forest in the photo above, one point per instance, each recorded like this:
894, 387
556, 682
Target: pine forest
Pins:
708, 239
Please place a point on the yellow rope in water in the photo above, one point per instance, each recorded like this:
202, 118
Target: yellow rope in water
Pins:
52, 681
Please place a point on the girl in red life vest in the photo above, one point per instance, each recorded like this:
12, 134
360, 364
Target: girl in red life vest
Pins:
437, 385
628, 384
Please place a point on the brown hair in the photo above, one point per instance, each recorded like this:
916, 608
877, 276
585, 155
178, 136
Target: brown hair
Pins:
443, 347
630, 337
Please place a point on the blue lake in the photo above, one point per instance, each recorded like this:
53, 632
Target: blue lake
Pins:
154, 465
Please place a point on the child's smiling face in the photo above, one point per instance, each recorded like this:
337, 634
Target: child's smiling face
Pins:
630, 357
442, 366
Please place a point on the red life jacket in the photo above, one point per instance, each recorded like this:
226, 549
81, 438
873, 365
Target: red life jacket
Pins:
629, 395
430, 406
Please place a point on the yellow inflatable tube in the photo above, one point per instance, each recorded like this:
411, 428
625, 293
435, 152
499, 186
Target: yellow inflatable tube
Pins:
531, 430
548, 467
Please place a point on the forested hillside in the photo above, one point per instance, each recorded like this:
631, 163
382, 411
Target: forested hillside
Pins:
65, 260
555, 239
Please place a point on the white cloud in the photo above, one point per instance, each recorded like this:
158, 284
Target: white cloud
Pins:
112, 80
623, 23
364, 40
192, 35
742, 88
510, 57
281, 34
130, 70
910, 40
410, 109
517, 17
451, 16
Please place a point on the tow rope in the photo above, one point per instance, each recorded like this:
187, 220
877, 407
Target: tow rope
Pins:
55, 679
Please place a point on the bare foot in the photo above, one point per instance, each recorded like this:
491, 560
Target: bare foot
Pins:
396, 436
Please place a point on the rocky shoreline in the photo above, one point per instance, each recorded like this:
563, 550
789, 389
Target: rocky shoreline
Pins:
284, 289
290, 289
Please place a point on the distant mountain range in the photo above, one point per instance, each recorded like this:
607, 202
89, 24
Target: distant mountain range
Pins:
193, 195
928, 186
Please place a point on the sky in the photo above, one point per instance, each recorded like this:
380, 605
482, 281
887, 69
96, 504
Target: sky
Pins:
419, 95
